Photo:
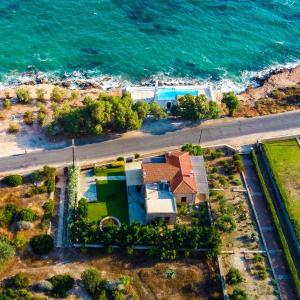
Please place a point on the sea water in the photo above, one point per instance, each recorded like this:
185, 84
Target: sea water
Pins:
208, 40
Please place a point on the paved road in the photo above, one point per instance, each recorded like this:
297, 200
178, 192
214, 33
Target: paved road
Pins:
151, 143
269, 231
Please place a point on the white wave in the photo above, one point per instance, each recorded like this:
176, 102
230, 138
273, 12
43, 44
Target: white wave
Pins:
107, 82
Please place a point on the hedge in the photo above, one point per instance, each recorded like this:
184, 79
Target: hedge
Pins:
286, 250
13, 180
73, 173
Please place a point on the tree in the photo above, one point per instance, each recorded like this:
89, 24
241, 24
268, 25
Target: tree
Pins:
234, 276
238, 294
58, 94
42, 244
190, 107
231, 101
21, 281
61, 285
157, 111
75, 95
82, 208
23, 95
13, 180
142, 109
6, 251
7, 214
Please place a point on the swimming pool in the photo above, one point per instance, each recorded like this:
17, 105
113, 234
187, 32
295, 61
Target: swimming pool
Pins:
170, 94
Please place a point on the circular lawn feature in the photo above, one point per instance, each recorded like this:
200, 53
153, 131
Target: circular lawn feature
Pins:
110, 220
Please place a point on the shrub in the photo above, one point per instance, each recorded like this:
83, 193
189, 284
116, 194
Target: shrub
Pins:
226, 223
237, 182
93, 282
41, 117
157, 111
13, 127
7, 214
28, 117
42, 244
61, 285
216, 154
234, 276
7, 104
58, 94
23, 95
40, 94
120, 158
193, 149
36, 190
13, 180
137, 155
130, 250
20, 241
75, 95
21, 281
6, 251
238, 294
27, 214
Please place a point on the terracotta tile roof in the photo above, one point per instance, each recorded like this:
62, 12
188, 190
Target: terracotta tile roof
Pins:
177, 170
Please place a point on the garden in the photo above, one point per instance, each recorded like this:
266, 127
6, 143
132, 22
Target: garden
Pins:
27, 208
233, 216
111, 201
283, 158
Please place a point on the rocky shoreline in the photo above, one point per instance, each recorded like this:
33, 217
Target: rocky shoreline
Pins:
261, 87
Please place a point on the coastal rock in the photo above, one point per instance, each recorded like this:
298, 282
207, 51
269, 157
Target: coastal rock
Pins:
66, 83
114, 285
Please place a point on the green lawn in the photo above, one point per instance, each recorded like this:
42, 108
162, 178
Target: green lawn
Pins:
110, 171
284, 159
112, 201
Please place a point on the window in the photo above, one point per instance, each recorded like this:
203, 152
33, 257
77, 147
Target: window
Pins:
183, 199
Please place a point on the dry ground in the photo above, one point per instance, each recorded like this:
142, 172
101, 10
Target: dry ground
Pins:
193, 279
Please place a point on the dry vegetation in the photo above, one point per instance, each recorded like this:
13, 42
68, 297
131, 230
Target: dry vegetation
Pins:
193, 278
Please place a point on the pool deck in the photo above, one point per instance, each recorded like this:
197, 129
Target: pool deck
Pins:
149, 94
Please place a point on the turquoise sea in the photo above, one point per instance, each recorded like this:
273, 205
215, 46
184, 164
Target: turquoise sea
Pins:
135, 39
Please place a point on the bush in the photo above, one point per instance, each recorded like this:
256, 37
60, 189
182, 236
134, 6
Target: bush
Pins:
58, 94
234, 276
238, 294
93, 282
226, 223
137, 155
21, 281
232, 102
7, 104
23, 95
27, 214
216, 154
20, 241
120, 158
13, 127
7, 214
7, 251
40, 94
61, 285
41, 117
28, 117
42, 244
157, 111
13, 180
193, 149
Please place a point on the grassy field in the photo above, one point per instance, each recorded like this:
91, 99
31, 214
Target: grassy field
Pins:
110, 171
112, 201
284, 159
